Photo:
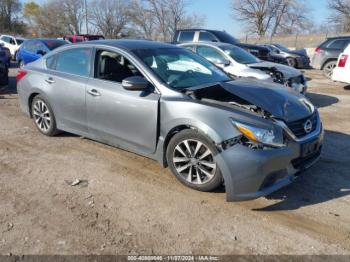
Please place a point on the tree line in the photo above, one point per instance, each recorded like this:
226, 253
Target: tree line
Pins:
273, 17
151, 19
158, 19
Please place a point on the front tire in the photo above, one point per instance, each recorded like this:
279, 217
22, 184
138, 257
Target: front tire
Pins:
190, 157
43, 116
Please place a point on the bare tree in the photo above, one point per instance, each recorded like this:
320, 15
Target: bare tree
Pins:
256, 14
9, 16
73, 11
271, 16
110, 17
143, 20
341, 13
50, 20
296, 18
171, 15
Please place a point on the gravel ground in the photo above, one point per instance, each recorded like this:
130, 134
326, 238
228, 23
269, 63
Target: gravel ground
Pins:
128, 204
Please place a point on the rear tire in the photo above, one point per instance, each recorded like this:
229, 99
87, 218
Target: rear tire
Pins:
190, 156
328, 68
43, 116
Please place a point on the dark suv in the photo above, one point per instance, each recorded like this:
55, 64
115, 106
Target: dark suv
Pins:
326, 54
205, 35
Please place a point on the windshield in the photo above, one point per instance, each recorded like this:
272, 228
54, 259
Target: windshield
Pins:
19, 41
240, 55
281, 47
180, 68
53, 44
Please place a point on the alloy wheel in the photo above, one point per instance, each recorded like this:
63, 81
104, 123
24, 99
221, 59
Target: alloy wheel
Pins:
328, 69
194, 161
42, 116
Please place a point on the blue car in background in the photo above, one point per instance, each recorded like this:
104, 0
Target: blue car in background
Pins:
33, 49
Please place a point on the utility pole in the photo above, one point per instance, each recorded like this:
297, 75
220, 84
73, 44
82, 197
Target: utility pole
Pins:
86, 17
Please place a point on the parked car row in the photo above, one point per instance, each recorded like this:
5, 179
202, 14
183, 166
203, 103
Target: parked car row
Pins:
12, 43
237, 62
171, 104
327, 54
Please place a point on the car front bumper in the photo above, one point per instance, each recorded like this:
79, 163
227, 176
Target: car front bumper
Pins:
253, 173
303, 62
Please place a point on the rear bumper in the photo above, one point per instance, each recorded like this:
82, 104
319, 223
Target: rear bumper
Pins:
251, 174
341, 75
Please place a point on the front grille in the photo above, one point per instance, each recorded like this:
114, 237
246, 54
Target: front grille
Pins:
263, 54
304, 162
297, 127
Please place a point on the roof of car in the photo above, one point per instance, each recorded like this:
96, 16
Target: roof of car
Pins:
217, 44
17, 37
129, 44
199, 29
45, 39
339, 37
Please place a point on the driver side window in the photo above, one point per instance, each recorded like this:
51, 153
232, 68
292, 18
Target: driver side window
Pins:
210, 54
114, 67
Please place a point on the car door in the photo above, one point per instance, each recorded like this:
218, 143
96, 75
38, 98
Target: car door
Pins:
66, 79
123, 118
28, 53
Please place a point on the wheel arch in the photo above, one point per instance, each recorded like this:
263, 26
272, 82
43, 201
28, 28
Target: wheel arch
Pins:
327, 61
30, 101
199, 127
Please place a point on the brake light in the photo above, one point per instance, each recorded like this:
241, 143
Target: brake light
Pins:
20, 75
318, 50
342, 60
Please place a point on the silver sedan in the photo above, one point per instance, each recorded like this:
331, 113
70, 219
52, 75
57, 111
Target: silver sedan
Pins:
169, 104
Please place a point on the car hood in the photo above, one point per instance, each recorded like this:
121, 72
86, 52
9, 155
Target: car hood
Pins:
287, 71
275, 99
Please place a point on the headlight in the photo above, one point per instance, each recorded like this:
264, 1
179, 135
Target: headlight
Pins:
270, 137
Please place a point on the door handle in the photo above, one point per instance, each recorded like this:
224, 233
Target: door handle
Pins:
50, 80
94, 92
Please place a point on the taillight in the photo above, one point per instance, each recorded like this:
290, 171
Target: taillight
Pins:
342, 61
20, 75
318, 50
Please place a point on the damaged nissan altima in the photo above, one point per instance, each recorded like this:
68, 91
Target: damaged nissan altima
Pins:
169, 104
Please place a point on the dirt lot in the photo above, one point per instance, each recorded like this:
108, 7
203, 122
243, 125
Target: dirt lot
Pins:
130, 205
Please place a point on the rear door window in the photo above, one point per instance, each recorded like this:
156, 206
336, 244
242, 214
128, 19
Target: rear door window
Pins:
207, 37
339, 44
210, 54
186, 36
74, 61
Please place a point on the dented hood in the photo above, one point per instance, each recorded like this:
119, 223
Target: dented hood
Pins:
276, 99
287, 71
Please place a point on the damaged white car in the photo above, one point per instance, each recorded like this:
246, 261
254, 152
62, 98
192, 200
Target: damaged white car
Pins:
239, 63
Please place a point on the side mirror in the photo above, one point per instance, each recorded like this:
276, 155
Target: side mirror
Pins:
135, 83
278, 51
41, 52
223, 63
